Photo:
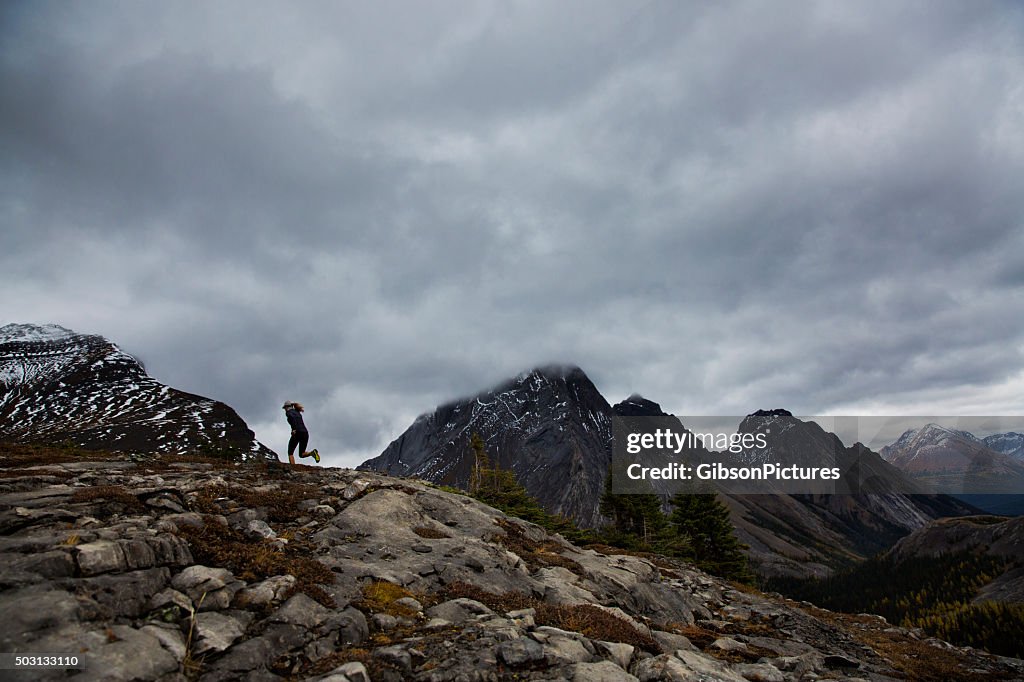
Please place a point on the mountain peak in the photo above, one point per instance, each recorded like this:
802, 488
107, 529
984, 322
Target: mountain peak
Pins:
60, 386
555, 370
550, 425
34, 333
638, 406
777, 412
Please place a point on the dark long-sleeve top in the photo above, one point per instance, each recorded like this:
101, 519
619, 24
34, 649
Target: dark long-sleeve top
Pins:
295, 419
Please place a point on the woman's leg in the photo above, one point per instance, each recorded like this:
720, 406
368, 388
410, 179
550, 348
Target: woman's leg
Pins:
303, 442
292, 442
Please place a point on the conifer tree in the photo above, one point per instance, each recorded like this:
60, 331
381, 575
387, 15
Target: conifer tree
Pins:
637, 522
480, 461
704, 521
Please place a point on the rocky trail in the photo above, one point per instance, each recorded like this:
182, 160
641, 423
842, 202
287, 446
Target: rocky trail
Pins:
202, 570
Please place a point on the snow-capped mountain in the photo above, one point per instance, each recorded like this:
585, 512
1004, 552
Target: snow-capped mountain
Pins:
937, 449
960, 462
550, 426
1010, 443
59, 386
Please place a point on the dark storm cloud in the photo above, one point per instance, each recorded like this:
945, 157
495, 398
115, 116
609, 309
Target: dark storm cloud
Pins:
376, 208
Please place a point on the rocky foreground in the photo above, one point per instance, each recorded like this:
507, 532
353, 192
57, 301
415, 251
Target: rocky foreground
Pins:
156, 570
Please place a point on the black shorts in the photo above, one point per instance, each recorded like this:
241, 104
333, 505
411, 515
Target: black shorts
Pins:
300, 438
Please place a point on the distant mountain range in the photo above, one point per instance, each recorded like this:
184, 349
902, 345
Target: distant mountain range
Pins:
58, 386
1011, 443
552, 427
986, 472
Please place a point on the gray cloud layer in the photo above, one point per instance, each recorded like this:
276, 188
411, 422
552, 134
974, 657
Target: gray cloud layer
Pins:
372, 208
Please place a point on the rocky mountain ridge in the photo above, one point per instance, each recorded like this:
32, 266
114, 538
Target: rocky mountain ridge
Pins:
169, 570
934, 448
1010, 443
58, 386
998, 537
960, 462
552, 427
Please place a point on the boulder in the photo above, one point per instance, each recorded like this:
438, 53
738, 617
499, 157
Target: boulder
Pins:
602, 671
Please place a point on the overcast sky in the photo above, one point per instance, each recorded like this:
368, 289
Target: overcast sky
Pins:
376, 207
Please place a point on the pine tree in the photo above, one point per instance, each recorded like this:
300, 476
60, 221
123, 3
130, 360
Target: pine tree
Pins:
638, 523
502, 490
704, 521
636, 517
480, 461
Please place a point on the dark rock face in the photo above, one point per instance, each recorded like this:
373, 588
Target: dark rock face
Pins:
57, 386
128, 589
638, 406
778, 412
550, 426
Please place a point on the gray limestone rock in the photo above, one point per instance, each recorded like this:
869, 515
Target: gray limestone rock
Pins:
350, 625
215, 632
458, 610
264, 593
209, 588
619, 653
126, 654
520, 652
102, 556
30, 610
130, 572
169, 637
670, 641
562, 647
397, 656
259, 652
259, 529
663, 668
602, 671
728, 644
126, 594
684, 666
347, 672
355, 489
705, 667
410, 603
385, 622
760, 672
137, 553
302, 611
523, 618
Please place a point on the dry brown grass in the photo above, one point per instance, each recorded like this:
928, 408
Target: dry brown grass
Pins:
350, 654
915, 660
17, 472
116, 499
281, 504
220, 546
20, 454
535, 554
587, 619
379, 596
698, 636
